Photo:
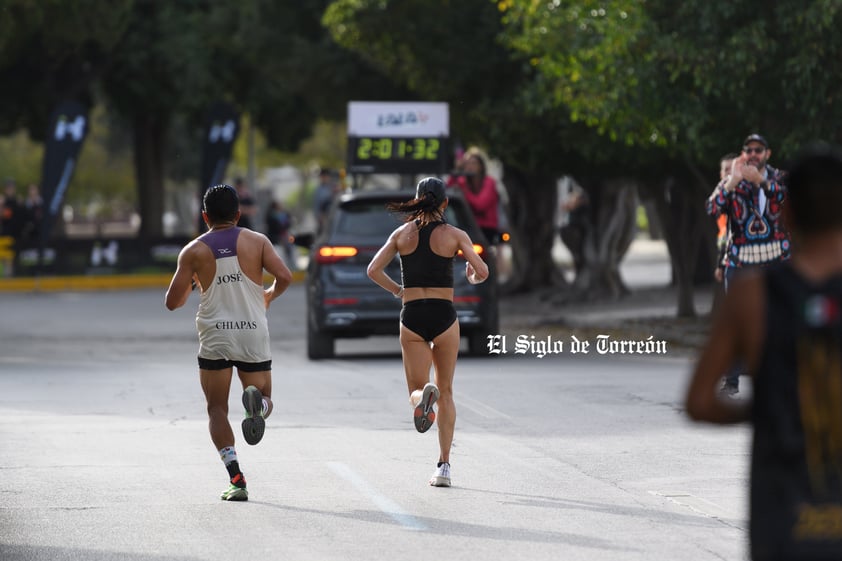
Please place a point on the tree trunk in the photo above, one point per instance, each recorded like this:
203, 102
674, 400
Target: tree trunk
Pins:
707, 253
682, 215
149, 135
611, 226
532, 204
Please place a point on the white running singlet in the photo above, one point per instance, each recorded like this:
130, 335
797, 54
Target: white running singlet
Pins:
232, 312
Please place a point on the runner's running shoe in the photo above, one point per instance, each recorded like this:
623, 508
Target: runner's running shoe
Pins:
253, 425
441, 478
236, 490
424, 414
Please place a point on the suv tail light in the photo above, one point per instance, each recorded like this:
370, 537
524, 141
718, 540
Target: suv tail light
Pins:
331, 254
477, 247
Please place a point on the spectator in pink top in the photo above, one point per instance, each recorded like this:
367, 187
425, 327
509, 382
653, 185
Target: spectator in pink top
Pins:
480, 191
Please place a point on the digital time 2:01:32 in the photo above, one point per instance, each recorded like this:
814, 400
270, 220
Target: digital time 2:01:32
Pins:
398, 148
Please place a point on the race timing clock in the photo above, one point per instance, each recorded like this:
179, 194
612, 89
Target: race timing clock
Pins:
398, 137
410, 155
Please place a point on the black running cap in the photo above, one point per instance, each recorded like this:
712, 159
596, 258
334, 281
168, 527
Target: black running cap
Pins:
755, 138
432, 185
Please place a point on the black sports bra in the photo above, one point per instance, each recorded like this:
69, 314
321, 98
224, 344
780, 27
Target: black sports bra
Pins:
425, 268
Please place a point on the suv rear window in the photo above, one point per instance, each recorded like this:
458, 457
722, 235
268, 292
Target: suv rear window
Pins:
371, 219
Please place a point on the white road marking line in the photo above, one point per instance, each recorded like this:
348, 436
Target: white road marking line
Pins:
383, 503
701, 506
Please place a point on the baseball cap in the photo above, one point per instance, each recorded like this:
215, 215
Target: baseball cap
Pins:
432, 185
755, 138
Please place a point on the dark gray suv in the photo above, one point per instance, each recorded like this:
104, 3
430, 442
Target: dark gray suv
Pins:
342, 302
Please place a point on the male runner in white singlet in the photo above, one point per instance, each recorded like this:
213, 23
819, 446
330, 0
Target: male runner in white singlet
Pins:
226, 264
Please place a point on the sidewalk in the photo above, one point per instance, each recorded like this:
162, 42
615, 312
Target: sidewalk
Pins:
644, 312
650, 309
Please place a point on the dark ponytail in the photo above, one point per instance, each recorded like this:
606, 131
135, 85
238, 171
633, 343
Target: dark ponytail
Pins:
426, 206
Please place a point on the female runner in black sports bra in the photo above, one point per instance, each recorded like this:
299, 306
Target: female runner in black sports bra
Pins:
429, 331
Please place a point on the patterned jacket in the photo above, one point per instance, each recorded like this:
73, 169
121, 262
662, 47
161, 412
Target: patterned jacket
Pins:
758, 236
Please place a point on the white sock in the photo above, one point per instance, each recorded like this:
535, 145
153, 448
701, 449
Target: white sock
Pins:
228, 455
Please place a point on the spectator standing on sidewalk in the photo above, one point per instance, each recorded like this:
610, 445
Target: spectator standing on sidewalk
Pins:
326, 190
34, 212
278, 223
574, 231
12, 221
723, 230
248, 206
752, 197
480, 191
12, 216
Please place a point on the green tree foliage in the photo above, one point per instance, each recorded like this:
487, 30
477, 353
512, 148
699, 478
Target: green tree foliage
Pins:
653, 90
591, 61
157, 66
160, 69
50, 50
450, 51
602, 89
281, 66
689, 77
677, 84
767, 66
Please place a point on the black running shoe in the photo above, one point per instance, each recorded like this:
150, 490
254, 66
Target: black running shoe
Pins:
253, 425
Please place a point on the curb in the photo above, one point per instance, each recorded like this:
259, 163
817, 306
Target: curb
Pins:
98, 282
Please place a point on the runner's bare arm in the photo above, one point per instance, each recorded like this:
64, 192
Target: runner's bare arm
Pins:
182, 281
376, 269
734, 337
476, 270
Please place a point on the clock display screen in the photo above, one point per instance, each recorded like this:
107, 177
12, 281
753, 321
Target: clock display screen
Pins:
368, 154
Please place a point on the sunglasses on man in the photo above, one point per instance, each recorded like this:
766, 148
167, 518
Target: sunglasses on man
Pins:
755, 150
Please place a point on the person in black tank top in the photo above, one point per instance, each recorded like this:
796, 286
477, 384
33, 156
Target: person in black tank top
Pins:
428, 317
429, 332
786, 323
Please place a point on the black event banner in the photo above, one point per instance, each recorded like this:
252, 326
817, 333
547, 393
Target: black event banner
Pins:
222, 126
65, 134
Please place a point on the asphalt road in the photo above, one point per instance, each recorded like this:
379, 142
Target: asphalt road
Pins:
104, 451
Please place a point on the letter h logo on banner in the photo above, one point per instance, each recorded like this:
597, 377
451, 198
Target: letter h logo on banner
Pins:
222, 126
66, 132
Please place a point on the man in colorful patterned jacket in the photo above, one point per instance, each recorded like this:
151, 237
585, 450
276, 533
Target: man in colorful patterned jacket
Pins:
752, 197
